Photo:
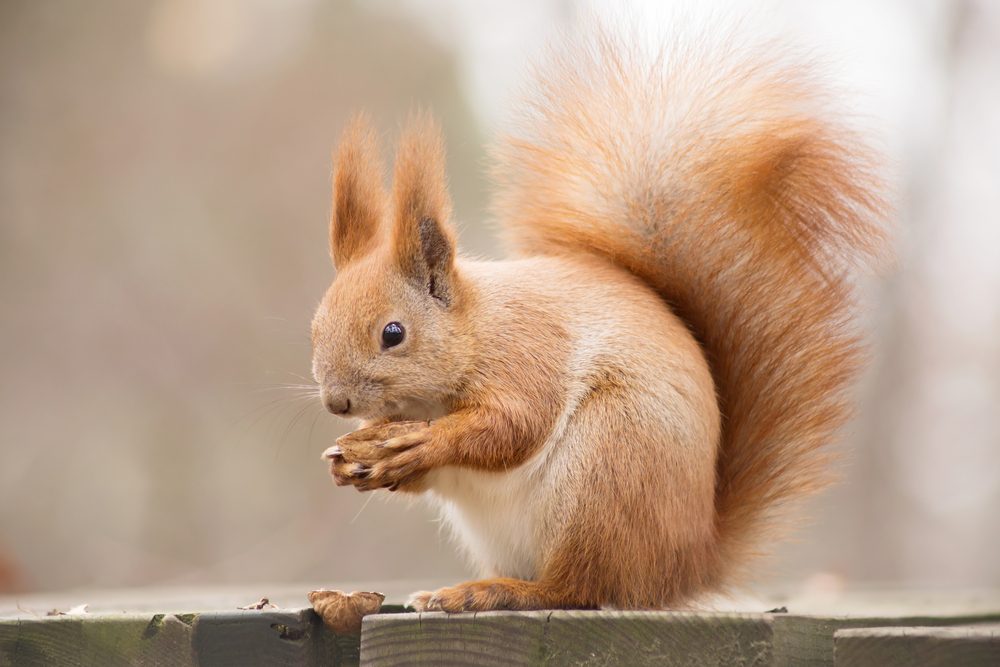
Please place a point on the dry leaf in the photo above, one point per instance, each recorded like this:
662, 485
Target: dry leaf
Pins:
262, 603
342, 612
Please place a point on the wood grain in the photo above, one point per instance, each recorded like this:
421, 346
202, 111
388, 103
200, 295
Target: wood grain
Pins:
294, 637
566, 638
808, 641
491, 638
964, 645
125, 639
885, 629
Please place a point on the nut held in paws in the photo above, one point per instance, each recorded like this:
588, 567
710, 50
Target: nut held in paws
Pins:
342, 612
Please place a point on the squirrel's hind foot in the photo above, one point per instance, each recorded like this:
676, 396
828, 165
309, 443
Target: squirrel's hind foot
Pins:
493, 595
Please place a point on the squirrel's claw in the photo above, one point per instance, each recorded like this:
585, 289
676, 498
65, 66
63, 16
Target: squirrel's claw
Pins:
489, 595
420, 601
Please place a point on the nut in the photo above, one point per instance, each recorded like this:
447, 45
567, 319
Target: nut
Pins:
342, 612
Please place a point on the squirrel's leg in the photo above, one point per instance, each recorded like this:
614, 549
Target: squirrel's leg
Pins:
494, 594
636, 498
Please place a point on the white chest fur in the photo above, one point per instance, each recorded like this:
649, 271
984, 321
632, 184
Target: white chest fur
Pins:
498, 518
507, 521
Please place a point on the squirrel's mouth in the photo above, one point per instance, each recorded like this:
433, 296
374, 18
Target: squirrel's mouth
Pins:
414, 410
355, 407
373, 406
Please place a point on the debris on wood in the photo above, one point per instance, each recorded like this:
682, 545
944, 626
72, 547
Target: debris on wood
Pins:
342, 612
262, 603
72, 611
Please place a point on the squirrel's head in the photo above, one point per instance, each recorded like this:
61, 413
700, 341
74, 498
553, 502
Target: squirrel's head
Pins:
385, 333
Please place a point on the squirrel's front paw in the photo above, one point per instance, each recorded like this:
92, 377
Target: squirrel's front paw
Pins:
385, 456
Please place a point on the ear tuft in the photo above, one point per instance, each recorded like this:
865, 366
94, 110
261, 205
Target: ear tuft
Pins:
358, 193
424, 242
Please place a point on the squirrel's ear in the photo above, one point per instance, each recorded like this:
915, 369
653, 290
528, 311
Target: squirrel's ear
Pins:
423, 240
358, 193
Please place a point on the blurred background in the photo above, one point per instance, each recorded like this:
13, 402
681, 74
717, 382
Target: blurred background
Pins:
164, 193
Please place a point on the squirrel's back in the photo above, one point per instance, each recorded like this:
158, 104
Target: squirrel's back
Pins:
721, 181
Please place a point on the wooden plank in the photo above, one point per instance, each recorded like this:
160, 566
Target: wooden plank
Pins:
966, 645
491, 638
567, 638
261, 637
286, 637
218, 632
809, 640
189, 598
125, 639
657, 638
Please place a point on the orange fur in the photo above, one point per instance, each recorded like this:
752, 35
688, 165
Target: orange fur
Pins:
745, 219
621, 414
358, 201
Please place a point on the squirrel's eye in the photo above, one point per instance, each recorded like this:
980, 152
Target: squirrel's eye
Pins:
393, 334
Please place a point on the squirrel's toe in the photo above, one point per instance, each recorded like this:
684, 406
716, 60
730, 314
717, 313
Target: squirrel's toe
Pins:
420, 601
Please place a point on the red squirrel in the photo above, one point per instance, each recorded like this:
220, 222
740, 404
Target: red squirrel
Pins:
621, 413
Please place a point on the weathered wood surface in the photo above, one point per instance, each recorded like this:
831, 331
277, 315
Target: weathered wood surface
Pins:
817, 632
284, 637
809, 640
621, 638
187, 598
957, 646
174, 627
567, 638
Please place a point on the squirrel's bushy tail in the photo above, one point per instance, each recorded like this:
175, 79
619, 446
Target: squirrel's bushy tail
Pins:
712, 176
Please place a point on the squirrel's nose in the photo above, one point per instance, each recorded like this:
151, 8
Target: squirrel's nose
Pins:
337, 403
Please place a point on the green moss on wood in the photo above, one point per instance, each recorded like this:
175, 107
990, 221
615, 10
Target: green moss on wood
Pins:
186, 619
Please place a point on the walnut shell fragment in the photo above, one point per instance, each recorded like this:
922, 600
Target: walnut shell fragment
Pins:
342, 612
259, 605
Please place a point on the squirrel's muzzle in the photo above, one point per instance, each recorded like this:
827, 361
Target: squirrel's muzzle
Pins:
336, 402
